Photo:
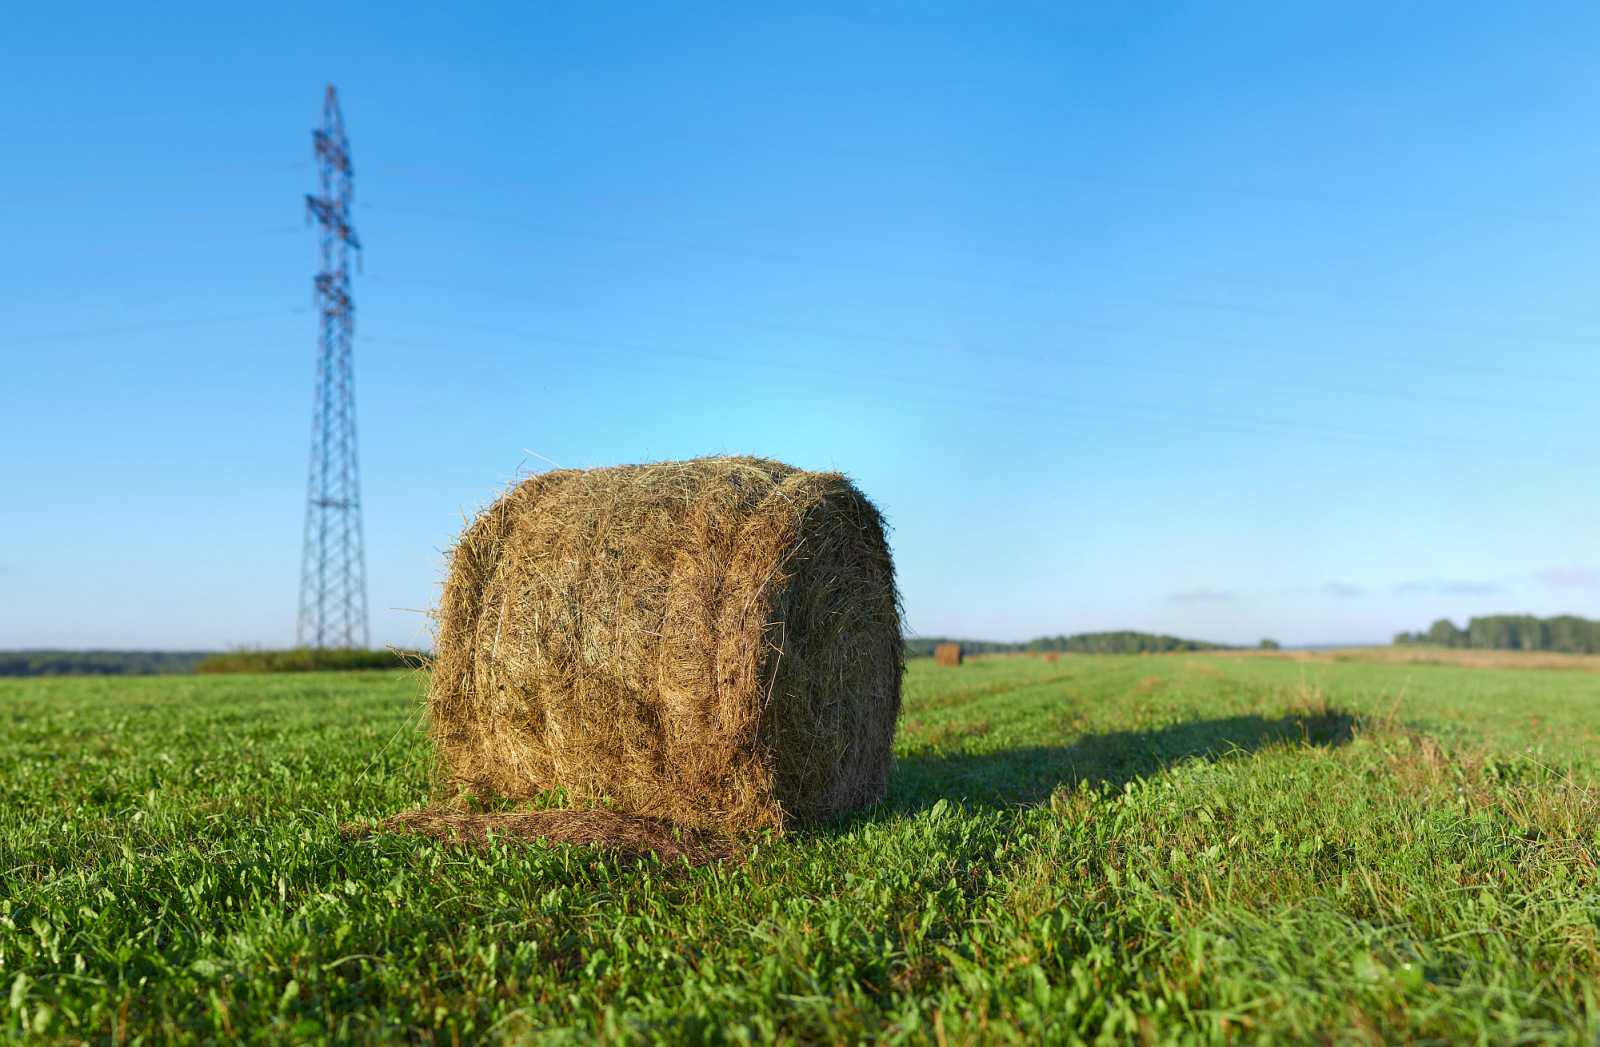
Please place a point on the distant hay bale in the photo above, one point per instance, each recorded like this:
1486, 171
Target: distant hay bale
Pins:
712, 643
1052, 656
947, 654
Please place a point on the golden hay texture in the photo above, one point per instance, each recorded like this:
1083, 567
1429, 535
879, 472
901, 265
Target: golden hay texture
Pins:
711, 643
947, 654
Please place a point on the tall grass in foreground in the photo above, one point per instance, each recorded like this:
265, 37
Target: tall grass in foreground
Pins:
1115, 850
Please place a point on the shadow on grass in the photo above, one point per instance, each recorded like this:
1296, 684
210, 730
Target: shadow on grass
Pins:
1103, 760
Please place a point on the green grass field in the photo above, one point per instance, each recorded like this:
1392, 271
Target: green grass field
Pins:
1186, 849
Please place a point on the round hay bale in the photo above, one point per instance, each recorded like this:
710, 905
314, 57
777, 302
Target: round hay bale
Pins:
714, 643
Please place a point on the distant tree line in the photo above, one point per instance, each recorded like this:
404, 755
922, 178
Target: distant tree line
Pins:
1083, 643
150, 663
307, 659
1513, 632
98, 663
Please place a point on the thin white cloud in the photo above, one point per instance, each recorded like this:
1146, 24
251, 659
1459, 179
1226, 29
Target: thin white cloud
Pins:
1567, 577
1344, 589
1200, 594
1470, 588
1450, 588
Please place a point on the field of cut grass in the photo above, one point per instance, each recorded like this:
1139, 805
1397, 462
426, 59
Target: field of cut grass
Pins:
1183, 849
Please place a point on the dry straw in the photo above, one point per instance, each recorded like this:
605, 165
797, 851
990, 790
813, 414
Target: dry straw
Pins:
947, 654
712, 643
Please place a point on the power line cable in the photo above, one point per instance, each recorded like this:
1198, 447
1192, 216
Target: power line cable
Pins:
879, 155
156, 183
232, 106
188, 241
1077, 360
1453, 364
1222, 425
104, 230
947, 246
1407, 439
78, 306
157, 325
892, 270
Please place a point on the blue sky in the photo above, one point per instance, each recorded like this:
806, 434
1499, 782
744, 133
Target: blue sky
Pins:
1228, 321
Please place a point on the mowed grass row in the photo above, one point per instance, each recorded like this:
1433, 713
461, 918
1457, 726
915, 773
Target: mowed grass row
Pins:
1101, 850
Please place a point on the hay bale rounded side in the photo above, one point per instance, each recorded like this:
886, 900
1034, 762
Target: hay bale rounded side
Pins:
713, 642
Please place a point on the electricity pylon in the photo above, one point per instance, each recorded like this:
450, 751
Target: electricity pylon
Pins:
333, 572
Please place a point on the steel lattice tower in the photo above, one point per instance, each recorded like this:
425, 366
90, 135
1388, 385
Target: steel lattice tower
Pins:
333, 573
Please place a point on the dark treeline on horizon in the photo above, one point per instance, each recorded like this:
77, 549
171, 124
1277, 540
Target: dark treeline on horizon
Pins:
308, 659
153, 663
1513, 632
98, 663
1125, 642
149, 663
